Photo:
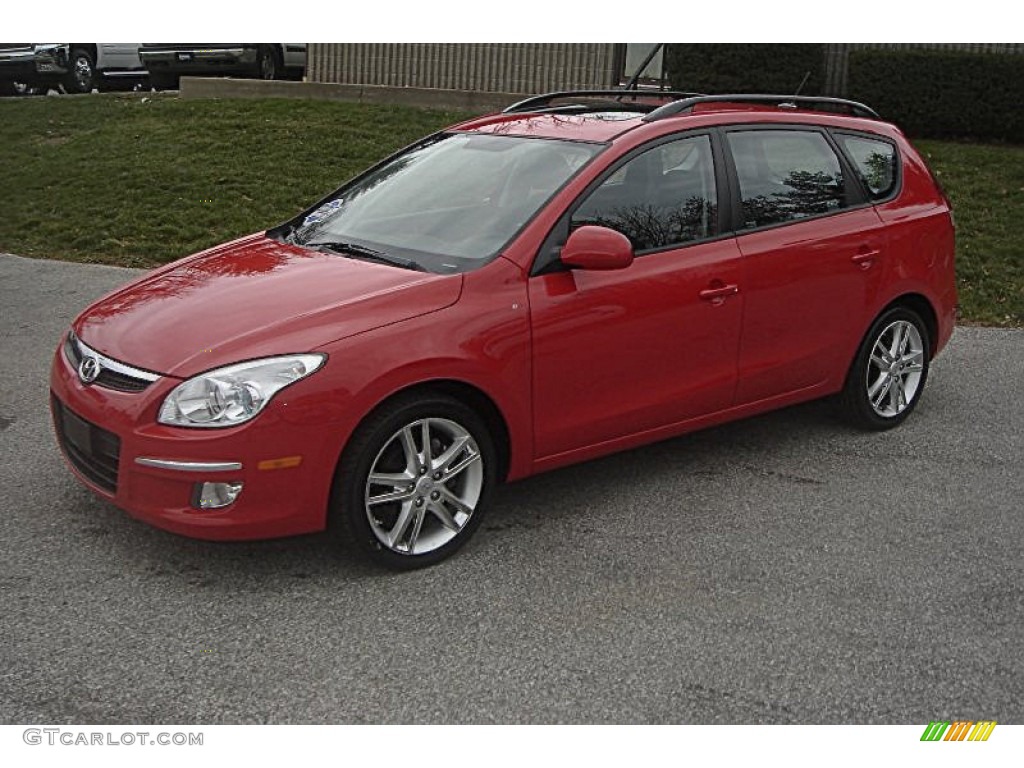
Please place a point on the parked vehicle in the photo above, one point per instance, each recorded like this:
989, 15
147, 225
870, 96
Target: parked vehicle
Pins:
167, 62
73, 67
581, 274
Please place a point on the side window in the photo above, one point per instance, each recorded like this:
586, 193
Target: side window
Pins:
874, 160
662, 197
786, 175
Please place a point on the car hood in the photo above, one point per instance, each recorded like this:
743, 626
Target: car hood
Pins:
251, 298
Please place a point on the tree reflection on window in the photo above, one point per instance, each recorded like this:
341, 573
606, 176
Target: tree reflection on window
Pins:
660, 198
786, 175
808, 194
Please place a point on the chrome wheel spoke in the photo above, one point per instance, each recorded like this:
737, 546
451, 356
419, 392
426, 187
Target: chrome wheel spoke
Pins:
394, 536
877, 401
443, 461
880, 358
894, 394
394, 479
881, 381
904, 340
417, 526
897, 341
441, 512
426, 460
412, 456
913, 356
452, 472
387, 498
455, 501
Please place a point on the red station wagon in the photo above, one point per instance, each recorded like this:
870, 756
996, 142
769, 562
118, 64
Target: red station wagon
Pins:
580, 274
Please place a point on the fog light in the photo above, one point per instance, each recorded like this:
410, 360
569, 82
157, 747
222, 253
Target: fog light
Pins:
215, 495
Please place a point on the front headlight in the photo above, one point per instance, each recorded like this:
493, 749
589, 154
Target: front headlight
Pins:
229, 396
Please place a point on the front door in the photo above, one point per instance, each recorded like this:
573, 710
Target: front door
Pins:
623, 352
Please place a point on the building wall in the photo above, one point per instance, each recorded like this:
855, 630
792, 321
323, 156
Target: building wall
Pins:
508, 67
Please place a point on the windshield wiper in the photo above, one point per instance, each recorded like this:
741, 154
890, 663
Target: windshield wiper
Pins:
369, 254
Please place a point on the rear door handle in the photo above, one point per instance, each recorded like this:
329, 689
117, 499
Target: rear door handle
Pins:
866, 258
718, 294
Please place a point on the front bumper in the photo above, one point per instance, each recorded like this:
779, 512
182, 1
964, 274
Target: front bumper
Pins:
279, 497
199, 60
44, 62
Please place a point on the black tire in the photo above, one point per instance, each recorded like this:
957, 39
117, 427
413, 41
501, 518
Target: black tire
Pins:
373, 445
8, 88
869, 399
268, 63
164, 81
81, 76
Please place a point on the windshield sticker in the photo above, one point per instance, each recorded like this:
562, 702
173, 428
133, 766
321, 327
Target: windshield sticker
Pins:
323, 212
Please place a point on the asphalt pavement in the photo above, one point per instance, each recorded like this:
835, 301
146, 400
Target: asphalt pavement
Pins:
783, 569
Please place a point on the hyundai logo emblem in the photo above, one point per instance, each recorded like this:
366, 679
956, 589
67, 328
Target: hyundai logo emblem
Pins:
88, 369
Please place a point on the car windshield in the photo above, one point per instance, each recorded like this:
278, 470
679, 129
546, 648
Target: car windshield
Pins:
447, 206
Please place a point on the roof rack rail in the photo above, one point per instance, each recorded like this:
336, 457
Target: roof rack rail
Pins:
785, 102
544, 101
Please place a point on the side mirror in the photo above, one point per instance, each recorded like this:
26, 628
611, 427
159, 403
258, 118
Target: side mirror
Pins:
591, 247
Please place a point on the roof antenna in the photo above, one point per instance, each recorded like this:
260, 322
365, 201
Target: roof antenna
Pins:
803, 83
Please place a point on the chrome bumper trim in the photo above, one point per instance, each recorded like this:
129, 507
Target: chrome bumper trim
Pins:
190, 466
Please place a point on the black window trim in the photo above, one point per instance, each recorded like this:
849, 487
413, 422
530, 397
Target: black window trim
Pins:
855, 192
897, 186
547, 260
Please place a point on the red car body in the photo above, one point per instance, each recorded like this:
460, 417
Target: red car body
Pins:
565, 366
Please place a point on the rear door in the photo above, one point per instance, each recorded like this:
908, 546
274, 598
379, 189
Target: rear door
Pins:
811, 246
623, 352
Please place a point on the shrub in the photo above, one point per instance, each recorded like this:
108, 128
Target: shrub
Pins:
943, 93
745, 68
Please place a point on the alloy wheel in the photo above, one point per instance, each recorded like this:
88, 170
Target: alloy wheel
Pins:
895, 368
423, 486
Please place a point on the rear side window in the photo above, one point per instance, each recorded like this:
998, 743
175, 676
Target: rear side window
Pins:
875, 161
786, 176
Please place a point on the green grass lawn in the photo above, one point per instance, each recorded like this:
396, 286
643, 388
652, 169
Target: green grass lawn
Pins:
986, 186
116, 180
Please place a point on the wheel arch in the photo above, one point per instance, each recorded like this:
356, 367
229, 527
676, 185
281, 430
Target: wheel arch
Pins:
471, 395
920, 304
912, 300
90, 47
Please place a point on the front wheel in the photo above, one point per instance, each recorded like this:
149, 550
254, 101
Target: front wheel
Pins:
414, 481
889, 373
81, 77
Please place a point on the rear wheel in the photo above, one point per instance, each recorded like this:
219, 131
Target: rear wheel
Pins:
268, 67
414, 481
889, 372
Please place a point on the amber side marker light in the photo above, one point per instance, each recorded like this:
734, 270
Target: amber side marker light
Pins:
286, 462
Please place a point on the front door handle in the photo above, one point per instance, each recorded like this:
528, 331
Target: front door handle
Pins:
718, 292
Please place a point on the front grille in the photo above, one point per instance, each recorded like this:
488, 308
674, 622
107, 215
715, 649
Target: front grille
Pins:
93, 451
108, 378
